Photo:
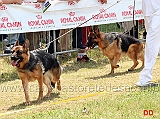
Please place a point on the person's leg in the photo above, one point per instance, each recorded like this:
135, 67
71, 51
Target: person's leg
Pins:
151, 48
21, 39
51, 47
3, 37
134, 31
65, 40
77, 38
12, 38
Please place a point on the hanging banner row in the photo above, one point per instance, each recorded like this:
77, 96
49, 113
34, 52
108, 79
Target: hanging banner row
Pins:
30, 17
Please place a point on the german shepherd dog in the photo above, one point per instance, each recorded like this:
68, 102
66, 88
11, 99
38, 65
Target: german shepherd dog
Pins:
36, 65
113, 45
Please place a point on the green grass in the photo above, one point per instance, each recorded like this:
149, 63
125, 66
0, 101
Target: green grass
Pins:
84, 84
126, 106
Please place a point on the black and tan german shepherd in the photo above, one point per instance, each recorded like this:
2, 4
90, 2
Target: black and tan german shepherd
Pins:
113, 45
37, 65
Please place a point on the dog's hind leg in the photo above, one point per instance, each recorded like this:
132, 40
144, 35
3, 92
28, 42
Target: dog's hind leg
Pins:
132, 54
40, 83
47, 82
56, 77
140, 56
134, 65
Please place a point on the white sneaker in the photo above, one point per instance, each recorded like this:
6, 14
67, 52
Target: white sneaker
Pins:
139, 84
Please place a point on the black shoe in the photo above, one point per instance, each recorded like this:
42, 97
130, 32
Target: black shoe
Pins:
85, 58
78, 59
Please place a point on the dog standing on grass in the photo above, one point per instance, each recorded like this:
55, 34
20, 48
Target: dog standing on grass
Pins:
36, 65
113, 45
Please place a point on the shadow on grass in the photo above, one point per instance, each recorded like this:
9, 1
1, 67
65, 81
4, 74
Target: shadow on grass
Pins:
116, 74
35, 102
76, 65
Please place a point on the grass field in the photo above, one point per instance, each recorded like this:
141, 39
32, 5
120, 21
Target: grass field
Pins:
84, 85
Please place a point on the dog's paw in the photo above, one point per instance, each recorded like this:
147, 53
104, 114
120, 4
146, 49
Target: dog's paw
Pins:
40, 98
111, 73
130, 69
59, 87
27, 103
47, 96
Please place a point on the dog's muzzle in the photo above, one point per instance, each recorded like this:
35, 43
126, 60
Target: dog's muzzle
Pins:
15, 60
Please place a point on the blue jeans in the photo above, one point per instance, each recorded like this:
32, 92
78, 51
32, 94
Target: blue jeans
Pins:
12, 38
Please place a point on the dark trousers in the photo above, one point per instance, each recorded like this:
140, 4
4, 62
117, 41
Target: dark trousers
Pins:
77, 37
3, 36
51, 47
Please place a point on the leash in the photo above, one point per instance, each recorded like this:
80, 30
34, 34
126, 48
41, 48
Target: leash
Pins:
81, 24
134, 4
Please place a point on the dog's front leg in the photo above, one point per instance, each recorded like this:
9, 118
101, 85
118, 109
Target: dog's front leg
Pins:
26, 91
59, 85
114, 61
40, 82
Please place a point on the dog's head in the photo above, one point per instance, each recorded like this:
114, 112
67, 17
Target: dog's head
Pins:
93, 37
20, 54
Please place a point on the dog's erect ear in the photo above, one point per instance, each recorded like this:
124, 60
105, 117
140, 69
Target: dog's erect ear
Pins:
96, 30
91, 29
26, 44
17, 43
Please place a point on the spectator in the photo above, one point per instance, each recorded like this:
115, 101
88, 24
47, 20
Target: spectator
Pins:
51, 46
1, 2
11, 1
17, 36
11, 40
102, 1
63, 43
131, 28
3, 37
79, 36
144, 34
141, 23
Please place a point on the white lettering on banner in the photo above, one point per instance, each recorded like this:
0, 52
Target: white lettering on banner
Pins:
60, 15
